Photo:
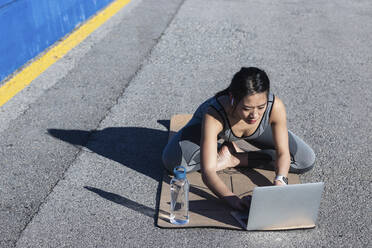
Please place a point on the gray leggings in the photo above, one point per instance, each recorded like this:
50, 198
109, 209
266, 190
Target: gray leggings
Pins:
184, 149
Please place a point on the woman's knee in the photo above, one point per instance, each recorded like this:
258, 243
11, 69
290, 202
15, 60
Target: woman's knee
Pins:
169, 158
305, 163
187, 155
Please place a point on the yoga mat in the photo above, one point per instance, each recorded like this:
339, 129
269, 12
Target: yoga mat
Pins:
205, 209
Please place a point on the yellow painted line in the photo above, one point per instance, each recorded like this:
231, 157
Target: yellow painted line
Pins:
29, 73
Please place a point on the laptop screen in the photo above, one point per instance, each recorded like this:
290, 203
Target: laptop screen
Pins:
285, 207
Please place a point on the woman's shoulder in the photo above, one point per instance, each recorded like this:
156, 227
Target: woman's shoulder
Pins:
213, 120
214, 113
278, 103
277, 111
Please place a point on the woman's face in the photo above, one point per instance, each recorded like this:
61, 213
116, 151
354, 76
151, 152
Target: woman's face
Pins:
251, 108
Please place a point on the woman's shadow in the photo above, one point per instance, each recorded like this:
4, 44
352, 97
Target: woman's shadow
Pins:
137, 148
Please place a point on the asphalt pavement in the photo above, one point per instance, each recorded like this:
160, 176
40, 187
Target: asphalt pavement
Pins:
81, 146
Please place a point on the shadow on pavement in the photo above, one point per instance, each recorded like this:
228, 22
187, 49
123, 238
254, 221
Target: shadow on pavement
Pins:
123, 201
135, 147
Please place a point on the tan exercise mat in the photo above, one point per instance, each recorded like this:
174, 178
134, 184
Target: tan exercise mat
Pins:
205, 209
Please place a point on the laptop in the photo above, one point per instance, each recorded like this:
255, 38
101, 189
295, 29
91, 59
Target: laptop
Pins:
282, 207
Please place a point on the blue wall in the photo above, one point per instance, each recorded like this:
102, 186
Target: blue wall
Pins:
27, 27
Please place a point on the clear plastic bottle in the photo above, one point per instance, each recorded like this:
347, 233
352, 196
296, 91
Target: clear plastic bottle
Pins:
179, 210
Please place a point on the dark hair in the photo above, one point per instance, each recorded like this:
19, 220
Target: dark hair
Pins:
246, 82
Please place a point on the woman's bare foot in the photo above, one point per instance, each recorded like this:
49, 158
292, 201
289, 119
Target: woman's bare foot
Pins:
225, 158
237, 148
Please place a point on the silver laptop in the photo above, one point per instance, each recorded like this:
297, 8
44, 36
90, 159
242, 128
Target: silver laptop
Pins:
282, 207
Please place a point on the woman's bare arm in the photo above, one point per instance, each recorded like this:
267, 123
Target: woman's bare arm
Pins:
211, 126
280, 135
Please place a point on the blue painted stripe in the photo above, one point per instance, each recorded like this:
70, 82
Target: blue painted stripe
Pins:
28, 27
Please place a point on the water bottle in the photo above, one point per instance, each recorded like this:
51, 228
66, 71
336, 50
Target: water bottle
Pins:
179, 209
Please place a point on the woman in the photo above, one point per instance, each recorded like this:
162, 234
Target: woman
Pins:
245, 110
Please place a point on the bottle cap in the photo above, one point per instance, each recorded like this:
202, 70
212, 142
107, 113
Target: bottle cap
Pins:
179, 172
